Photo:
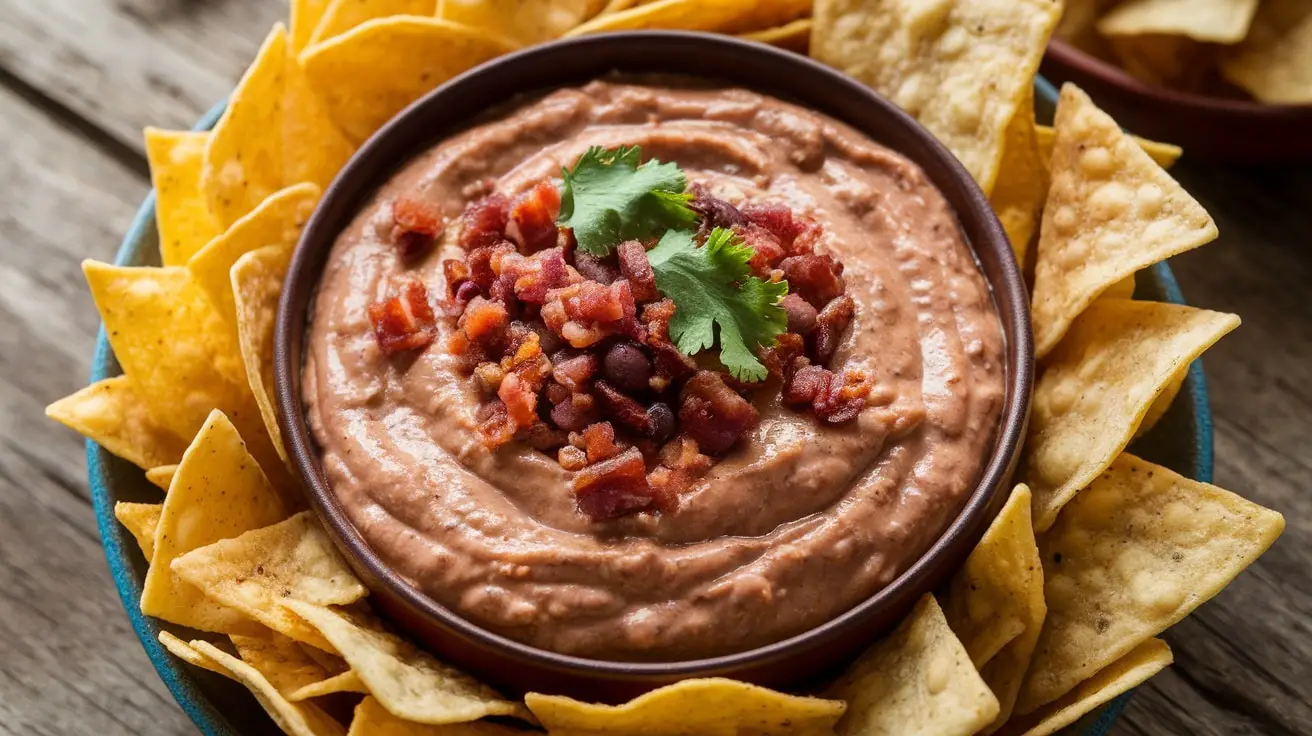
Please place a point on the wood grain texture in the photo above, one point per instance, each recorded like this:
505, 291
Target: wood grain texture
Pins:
78, 78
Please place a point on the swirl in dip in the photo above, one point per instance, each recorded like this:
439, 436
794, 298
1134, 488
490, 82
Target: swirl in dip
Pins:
809, 509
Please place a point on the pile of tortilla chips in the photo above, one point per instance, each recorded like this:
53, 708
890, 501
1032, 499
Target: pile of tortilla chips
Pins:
1055, 613
1259, 48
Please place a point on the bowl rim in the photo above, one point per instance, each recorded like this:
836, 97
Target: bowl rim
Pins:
377, 158
1063, 53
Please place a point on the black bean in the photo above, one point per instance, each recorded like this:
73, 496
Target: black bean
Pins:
627, 366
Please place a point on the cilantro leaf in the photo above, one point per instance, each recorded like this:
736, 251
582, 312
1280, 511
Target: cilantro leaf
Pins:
608, 198
711, 287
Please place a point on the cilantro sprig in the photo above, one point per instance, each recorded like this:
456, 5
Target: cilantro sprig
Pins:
609, 198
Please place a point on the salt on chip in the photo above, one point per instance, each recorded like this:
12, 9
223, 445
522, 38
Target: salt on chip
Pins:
304, 17
256, 284
372, 719
182, 216
1164, 154
1211, 21
281, 660
918, 681
342, 16
141, 520
1274, 63
1131, 555
409, 683
219, 492
110, 413
708, 707
161, 475
369, 74
257, 571
1111, 211
794, 36
295, 719
314, 149
525, 22
1117, 358
962, 68
346, 682
183, 651
1022, 183
243, 159
1119, 677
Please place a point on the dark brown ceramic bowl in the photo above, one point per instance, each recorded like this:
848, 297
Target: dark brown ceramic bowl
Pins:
515, 666
1218, 128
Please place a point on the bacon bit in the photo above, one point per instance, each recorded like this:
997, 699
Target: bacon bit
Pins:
801, 315
834, 399
593, 268
682, 453
629, 413
464, 295
574, 373
571, 458
617, 487
775, 218
533, 277
532, 220
587, 312
484, 222
808, 235
831, 324
489, 375
715, 212
598, 440
496, 427
806, 384
671, 365
637, 269
455, 273
766, 250
520, 399
713, 414
484, 263
816, 278
417, 224
484, 321
405, 321
542, 437
780, 359
575, 413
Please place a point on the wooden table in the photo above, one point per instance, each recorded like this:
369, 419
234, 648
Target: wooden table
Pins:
79, 79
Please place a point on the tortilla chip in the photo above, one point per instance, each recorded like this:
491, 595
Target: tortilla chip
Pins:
370, 73
342, 16
524, 22
1005, 673
243, 160
255, 572
141, 519
963, 68
256, 284
110, 413
1134, 553
688, 15
1163, 402
1174, 61
295, 719
1022, 182
161, 475
1163, 154
182, 650
408, 682
1118, 357
1110, 212
281, 660
1119, 677
704, 706
1212, 21
314, 149
305, 16
1275, 62
346, 682
182, 216
218, 493
372, 719
615, 6
277, 220
916, 682
794, 36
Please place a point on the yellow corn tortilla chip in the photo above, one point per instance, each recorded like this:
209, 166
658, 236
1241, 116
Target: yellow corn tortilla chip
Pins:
1275, 62
524, 22
243, 160
342, 16
182, 650
141, 520
370, 73
710, 707
1174, 61
1005, 673
281, 660
1001, 582
218, 493
1123, 289
346, 682
615, 6
161, 475
304, 18
1163, 402
1118, 357
1119, 677
372, 719
277, 220
257, 571
1164, 154
1212, 21
1134, 553
794, 36
1111, 211
918, 681
295, 719
314, 149
688, 15
181, 213
1022, 182
256, 284
409, 683
961, 67
111, 413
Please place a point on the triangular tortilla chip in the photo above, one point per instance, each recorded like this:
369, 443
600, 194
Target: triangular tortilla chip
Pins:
1211, 21
295, 719
1110, 212
218, 493
141, 520
1163, 402
963, 69
524, 22
1119, 677
1118, 357
1022, 182
343, 15
794, 36
918, 681
257, 571
372, 719
256, 284
162, 475
346, 682
314, 149
409, 683
243, 161
1134, 553
181, 213
1274, 63
281, 660
183, 651
1165, 154
304, 17
690, 15
370, 73
110, 413
704, 706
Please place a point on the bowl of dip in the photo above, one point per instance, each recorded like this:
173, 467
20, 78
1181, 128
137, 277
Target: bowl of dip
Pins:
810, 525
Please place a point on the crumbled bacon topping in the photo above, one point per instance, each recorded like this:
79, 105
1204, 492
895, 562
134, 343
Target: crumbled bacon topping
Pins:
713, 414
531, 223
417, 225
484, 221
405, 321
